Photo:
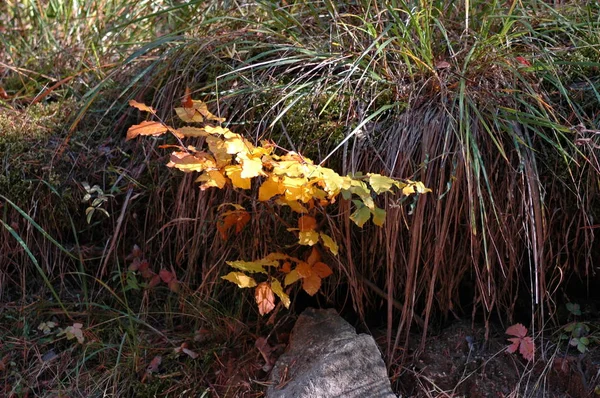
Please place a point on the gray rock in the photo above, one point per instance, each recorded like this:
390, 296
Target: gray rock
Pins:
326, 358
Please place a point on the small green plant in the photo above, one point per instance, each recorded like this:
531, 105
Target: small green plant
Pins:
96, 197
577, 333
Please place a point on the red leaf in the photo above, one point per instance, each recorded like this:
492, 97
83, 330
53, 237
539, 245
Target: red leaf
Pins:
523, 61
166, 276
517, 330
514, 346
154, 281
187, 100
527, 348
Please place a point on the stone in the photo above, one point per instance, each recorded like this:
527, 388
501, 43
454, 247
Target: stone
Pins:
326, 358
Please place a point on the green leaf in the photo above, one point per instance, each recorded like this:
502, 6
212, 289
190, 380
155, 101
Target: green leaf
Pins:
361, 216
378, 216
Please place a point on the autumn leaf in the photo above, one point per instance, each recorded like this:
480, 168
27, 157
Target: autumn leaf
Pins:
322, 270
521, 341
314, 256
250, 167
188, 131
361, 215
264, 298
329, 243
311, 284
278, 290
212, 178
308, 238
142, 107
240, 279
73, 332
173, 285
291, 277
229, 219
146, 128
380, 183
378, 216
254, 266
154, 281
165, 275
307, 223
269, 188
234, 172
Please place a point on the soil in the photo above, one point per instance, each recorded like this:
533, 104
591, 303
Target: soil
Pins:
459, 363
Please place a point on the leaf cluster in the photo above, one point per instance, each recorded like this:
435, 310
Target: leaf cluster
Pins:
288, 179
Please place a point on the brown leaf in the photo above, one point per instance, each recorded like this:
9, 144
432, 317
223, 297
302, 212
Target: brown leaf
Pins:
264, 298
174, 285
303, 269
3, 94
146, 128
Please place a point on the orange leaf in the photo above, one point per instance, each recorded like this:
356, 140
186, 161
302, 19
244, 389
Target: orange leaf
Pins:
311, 284
307, 223
146, 128
187, 99
314, 256
286, 267
142, 107
264, 298
304, 269
322, 270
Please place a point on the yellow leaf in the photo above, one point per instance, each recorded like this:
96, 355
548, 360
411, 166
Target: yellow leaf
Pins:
192, 131
234, 172
216, 130
278, 290
291, 277
322, 270
307, 223
293, 204
253, 266
216, 145
312, 284
329, 243
212, 178
380, 183
269, 188
142, 107
234, 143
240, 279
250, 167
308, 238
297, 189
188, 116
378, 216
188, 162
264, 298
146, 128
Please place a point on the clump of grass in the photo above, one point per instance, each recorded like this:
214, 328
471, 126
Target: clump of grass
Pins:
498, 113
